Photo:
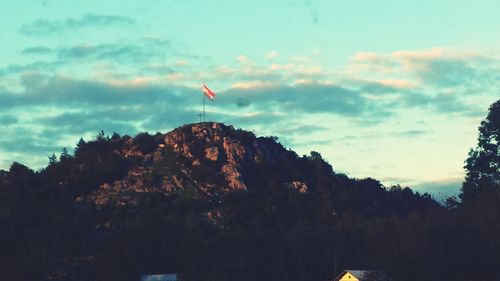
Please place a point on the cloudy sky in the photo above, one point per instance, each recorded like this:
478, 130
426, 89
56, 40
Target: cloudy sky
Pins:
393, 90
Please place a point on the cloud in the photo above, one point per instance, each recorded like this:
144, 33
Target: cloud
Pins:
413, 133
28, 145
313, 98
363, 102
27, 141
374, 87
103, 60
32, 78
129, 53
436, 67
249, 72
91, 122
308, 99
7, 120
36, 51
243, 59
300, 130
374, 63
440, 103
252, 85
169, 117
253, 119
271, 55
396, 134
449, 69
436, 80
43, 27
40, 65
68, 92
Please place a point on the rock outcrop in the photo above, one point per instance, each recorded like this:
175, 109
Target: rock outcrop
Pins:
207, 158
297, 185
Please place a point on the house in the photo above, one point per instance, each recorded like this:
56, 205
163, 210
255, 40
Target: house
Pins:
160, 277
360, 275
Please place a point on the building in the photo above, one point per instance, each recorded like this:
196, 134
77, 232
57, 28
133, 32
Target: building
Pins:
360, 275
160, 277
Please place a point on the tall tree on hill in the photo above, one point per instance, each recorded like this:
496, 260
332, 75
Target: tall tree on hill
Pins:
479, 213
483, 164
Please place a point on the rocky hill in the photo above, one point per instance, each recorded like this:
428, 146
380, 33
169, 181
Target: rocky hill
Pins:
209, 159
207, 200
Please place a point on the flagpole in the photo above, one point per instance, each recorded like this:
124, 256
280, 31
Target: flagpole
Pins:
203, 107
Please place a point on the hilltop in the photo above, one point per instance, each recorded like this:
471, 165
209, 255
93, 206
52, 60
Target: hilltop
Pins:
208, 161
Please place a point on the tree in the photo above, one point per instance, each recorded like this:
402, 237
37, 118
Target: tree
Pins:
101, 136
64, 154
483, 163
52, 159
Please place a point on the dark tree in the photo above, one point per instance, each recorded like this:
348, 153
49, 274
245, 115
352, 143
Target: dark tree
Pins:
483, 164
64, 154
52, 159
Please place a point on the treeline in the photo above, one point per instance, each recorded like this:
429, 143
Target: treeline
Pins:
271, 232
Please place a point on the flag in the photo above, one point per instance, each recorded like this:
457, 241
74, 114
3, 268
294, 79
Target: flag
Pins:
210, 94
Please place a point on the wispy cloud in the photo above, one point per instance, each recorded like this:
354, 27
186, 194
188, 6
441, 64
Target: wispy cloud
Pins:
40, 50
437, 67
312, 98
104, 60
413, 133
300, 130
271, 55
439, 103
43, 27
66, 91
7, 120
114, 52
40, 65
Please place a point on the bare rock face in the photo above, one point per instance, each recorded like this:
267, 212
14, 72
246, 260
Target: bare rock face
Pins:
297, 185
218, 144
178, 142
233, 177
212, 153
186, 140
206, 157
236, 152
209, 132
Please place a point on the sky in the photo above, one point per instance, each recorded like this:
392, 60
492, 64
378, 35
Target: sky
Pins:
393, 90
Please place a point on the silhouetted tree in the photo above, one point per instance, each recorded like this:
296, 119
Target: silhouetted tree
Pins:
52, 159
64, 154
483, 164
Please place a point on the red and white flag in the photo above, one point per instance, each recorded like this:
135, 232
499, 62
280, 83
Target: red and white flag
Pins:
210, 94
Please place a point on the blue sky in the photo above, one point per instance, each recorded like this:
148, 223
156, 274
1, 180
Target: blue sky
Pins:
393, 90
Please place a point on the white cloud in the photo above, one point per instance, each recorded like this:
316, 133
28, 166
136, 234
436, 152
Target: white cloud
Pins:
271, 55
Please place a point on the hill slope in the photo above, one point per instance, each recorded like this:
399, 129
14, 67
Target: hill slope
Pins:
207, 200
